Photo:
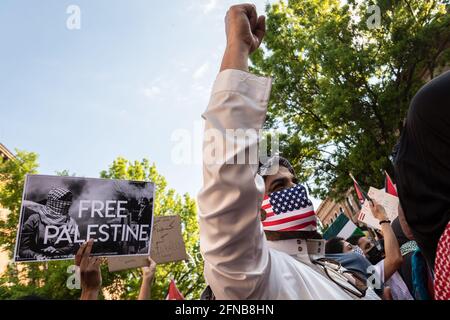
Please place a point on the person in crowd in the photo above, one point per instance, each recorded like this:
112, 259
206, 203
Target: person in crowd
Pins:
423, 176
91, 276
55, 212
282, 256
422, 166
415, 271
387, 261
351, 257
407, 249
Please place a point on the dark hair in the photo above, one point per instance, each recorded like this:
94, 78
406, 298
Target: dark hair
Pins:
283, 162
397, 228
334, 245
354, 239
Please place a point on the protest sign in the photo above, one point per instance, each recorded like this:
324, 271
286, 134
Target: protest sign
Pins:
388, 201
167, 246
59, 213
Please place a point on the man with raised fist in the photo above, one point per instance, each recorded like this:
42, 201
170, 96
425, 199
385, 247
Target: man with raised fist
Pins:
281, 257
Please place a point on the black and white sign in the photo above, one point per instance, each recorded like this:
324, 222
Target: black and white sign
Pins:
59, 213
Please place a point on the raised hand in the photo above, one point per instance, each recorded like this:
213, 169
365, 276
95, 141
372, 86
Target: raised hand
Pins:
90, 275
245, 32
378, 211
244, 29
148, 273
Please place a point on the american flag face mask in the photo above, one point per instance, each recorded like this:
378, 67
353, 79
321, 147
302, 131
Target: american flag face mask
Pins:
289, 210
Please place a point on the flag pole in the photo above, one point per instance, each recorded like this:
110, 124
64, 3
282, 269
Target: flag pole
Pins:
365, 195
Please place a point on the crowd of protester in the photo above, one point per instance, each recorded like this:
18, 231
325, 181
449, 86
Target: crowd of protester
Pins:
276, 252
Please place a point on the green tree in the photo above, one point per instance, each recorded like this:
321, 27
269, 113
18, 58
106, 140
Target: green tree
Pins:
12, 179
50, 279
189, 275
342, 85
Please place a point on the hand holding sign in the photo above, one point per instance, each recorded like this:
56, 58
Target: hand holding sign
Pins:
388, 202
90, 275
378, 210
148, 273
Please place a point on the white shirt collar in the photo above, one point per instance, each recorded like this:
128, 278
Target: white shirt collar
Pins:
303, 249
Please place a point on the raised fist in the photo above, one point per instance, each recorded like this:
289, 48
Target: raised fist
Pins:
245, 30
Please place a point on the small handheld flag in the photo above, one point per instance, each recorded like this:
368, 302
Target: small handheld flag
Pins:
174, 293
362, 195
389, 186
343, 228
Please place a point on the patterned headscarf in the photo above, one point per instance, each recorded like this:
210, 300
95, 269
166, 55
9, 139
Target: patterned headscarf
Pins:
442, 267
56, 210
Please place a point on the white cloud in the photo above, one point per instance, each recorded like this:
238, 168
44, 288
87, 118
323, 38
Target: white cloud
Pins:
151, 92
209, 6
201, 71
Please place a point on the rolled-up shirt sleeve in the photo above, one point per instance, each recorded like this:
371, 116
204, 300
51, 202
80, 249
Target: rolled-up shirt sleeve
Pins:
231, 236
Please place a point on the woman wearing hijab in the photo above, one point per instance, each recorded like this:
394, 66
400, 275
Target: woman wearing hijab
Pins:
422, 166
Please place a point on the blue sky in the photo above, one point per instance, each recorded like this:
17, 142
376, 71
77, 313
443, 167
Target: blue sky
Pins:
121, 85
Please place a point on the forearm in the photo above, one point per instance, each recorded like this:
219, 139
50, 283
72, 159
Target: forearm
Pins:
393, 256
145, 291
235, 57
26, 245
89, 294
27, 253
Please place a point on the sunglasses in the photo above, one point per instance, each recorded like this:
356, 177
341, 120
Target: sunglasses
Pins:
348, 280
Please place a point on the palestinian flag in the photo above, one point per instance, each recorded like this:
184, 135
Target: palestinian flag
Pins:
343, 228
174, 293
362, 196
389, 186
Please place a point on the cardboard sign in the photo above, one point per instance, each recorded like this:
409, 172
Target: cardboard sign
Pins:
388, 201
59, 213
167, 246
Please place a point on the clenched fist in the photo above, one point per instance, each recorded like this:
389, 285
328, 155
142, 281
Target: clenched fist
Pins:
245, 32
244, 29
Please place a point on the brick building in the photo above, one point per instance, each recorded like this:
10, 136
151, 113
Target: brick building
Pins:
330, 209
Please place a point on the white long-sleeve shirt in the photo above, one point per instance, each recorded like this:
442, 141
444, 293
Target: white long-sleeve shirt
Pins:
239, 262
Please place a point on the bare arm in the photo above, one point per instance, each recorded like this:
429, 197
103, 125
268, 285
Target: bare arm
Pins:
90, 275
393, 257
147, 279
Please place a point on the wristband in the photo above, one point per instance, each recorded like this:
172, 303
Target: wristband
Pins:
385, 221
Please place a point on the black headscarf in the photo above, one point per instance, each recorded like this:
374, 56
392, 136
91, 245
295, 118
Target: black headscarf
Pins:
397, 228
422, 164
